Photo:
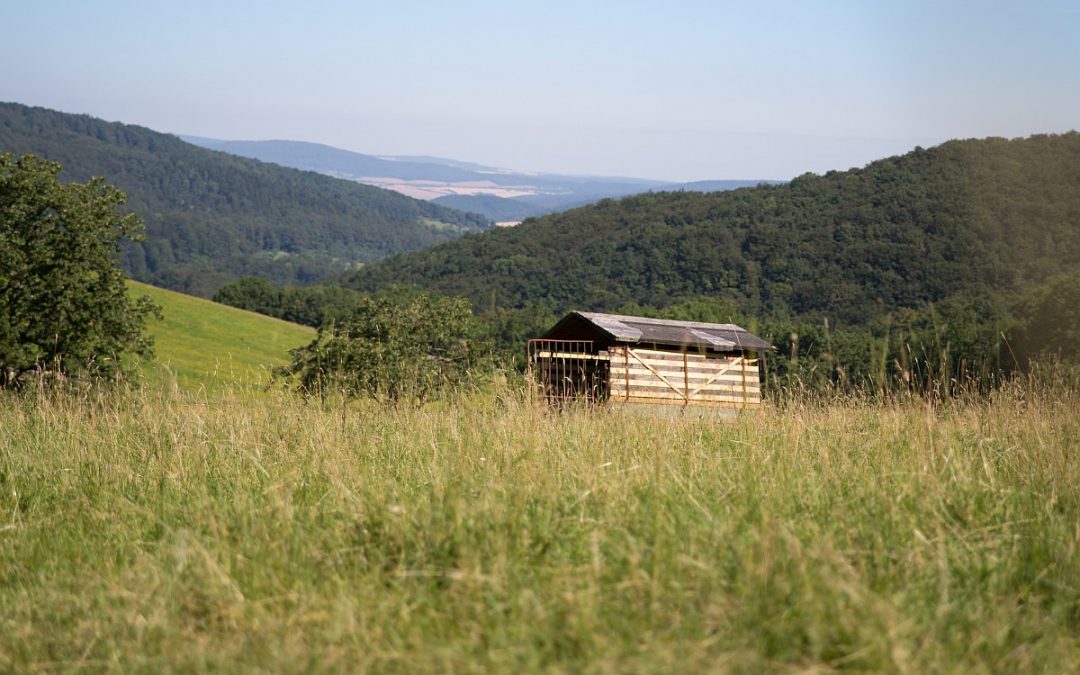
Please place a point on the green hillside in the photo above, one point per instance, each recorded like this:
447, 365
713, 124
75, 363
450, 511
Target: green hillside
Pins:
212, 216
210, 347
968, 216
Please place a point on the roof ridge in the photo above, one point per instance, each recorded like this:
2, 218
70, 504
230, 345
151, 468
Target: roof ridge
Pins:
672, 332
664, 322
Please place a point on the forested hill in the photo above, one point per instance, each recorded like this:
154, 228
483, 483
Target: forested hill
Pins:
212, 216
976, 215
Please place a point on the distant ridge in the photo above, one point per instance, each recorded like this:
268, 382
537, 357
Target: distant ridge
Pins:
335, 161
719, 185
498, 194
975, 217
212, 216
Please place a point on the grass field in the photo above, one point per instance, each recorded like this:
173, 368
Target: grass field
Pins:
148, 532
202, 345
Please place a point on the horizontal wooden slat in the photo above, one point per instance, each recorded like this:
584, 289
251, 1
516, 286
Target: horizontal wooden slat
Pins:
677, 356
674, 400
676, 359
694, 376
644, 380
693, 380
681, 380
710, 364
712, 386
677, 363
669, 395
654, 384
692, 404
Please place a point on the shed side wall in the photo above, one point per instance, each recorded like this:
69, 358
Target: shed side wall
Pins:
653, 376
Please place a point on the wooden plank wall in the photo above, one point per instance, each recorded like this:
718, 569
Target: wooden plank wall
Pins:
650, 376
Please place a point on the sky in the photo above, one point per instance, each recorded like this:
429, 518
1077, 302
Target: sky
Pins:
677, 90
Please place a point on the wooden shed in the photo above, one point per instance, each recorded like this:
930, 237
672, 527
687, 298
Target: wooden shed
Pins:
631, 359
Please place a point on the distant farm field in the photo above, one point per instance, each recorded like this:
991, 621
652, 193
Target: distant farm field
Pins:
202, 345
157, 531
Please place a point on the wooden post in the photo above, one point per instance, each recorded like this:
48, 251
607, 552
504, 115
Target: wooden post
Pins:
626, 359
744, 381
686, 380
762, 359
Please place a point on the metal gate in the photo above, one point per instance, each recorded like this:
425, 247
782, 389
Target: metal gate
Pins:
567, 370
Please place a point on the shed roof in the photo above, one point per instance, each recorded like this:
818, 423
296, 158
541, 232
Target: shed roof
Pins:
722, 337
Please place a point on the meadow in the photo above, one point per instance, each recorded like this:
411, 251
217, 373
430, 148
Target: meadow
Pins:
207, 347
154, 530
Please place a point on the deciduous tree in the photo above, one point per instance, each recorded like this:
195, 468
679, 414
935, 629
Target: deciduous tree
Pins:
64, 305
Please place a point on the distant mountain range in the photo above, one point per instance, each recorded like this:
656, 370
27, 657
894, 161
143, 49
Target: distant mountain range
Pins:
212, 216
498, 194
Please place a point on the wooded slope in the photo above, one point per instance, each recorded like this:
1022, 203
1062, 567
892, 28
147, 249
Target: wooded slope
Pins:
212, 216
972, 215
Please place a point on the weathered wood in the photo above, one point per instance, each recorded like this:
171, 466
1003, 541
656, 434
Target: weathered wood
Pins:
722, 380
686, 378
649, 387
643, 375
698, 366
703, 372
656, 372
720, 373
729, 380
667, 395
725, 383
728, 375
744, 382
691, 356
677, 400
731, 405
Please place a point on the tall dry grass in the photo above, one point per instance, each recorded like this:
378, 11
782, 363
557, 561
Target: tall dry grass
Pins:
151, 531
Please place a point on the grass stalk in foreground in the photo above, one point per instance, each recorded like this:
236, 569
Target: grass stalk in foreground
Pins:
149, 531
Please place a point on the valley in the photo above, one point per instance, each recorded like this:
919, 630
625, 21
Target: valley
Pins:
501, 195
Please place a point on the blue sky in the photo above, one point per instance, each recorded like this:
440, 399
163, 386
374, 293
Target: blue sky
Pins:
672, 90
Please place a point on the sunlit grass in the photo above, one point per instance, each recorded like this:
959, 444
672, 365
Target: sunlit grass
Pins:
158, 531
205, 346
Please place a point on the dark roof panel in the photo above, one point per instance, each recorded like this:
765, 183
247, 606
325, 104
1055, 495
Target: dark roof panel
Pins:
638, 329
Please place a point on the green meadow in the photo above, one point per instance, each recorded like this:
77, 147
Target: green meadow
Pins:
176, 526
208, 347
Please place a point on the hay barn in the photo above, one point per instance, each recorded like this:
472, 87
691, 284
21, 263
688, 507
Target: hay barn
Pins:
595, 357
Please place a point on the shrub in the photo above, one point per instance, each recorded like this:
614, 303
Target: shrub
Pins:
388, 349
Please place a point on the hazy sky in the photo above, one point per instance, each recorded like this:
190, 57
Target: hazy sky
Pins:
676, 90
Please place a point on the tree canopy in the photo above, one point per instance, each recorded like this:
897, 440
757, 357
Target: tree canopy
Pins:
64, 305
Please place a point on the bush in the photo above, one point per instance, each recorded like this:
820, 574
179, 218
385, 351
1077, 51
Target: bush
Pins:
388, 349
